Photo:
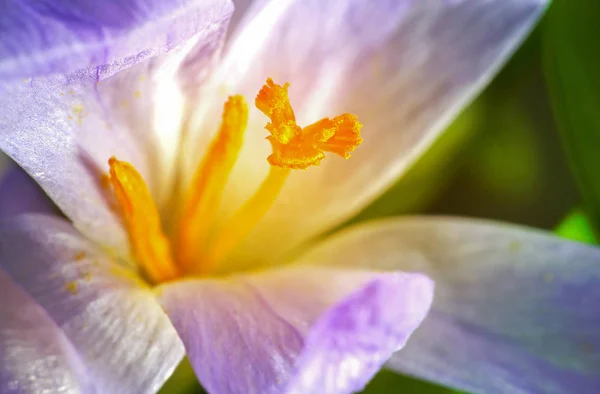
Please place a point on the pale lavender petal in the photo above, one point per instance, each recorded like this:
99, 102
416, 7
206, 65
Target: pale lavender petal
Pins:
295, 330
62, 129
106, 311
406, 68
20, 194
35, 355
61, 36
515, 309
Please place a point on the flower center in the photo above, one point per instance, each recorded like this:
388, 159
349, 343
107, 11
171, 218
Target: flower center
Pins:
199, 248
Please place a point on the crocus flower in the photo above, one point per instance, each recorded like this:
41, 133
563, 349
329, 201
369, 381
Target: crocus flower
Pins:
178, 237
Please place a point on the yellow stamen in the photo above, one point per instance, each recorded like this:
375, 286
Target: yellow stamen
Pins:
150, 246
293, 148
199, 250
203, 197
245, 219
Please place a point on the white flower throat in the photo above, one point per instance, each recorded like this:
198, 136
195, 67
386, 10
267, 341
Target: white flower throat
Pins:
197, 248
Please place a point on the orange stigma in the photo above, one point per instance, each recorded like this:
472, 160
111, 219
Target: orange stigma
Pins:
298, 148
199, 245
293, 148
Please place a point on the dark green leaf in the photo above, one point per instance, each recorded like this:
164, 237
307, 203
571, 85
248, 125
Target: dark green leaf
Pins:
388, 382
572, 68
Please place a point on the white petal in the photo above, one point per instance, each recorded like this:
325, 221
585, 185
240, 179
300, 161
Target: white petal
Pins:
63, 128
515, 310
113, 320
35, 355
406, 68
295, 330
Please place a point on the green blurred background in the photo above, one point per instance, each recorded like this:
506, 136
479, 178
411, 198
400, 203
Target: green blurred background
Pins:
526, 151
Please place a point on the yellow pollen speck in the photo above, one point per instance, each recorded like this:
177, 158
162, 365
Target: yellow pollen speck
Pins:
124, 103
138, 94
79, 256
79, 112
71, 287
88, 277
298, 148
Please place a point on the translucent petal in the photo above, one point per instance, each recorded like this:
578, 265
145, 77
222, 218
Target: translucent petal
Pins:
405, 68
35, 355
63, 128
297, 330
121, 334
61, 36
514, 310
20, 194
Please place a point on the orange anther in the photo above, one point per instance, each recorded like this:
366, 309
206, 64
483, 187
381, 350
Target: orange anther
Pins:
204, 194
150, 246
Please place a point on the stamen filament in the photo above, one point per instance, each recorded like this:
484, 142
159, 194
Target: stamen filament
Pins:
150, 246
239, 226
294, 147
200, 249
204, 194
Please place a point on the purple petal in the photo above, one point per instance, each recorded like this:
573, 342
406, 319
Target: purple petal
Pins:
515, 309
35, 355
406, 68
295, 330
20, 194
111, 317
62, 129
350, 343
63, 36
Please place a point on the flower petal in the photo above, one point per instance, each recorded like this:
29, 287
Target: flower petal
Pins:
64, 36
297, 330
62, 129
515, 309
112, 319
35, 356
405, 68
20, 194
